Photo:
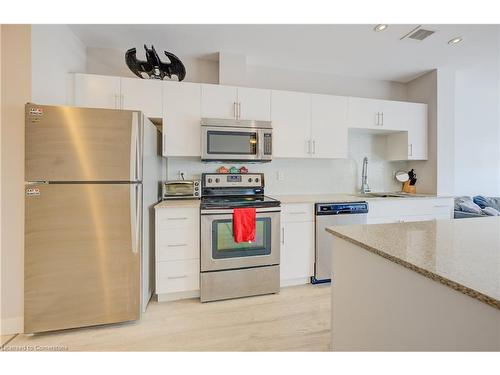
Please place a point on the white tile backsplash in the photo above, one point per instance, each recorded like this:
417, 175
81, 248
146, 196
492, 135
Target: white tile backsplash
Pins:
312, 176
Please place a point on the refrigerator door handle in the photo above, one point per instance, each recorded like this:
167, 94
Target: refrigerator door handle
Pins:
135, 217
135, 149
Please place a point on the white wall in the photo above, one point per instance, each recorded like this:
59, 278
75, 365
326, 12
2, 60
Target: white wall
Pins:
56, 51
286, 79
477, 144
445, 137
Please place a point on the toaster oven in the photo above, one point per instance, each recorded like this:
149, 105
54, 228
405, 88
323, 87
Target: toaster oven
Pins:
181, 189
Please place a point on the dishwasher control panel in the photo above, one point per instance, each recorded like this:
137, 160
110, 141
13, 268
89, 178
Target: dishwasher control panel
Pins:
341, 208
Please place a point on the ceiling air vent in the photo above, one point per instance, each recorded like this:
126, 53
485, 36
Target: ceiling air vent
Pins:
418, 34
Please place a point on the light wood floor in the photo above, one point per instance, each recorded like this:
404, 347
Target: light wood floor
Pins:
4, 339
297, 319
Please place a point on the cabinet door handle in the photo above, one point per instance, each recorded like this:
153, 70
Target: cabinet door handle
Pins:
283, 235
116, 102
177, 245
235, 111
176, 277
309, 146
297, 213
177, 218
411, 149
382, 124
377, 119
441, 205
239, 109
314, 146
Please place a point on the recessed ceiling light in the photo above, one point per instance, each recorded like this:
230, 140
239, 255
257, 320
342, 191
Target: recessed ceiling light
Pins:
380, 27
456, 40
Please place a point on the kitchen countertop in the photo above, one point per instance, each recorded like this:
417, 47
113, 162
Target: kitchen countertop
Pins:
178, 203
462, 254
325, 198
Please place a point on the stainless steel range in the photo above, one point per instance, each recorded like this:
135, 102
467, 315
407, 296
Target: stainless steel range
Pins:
230, 269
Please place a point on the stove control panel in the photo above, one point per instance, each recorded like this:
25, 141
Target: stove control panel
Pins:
240, 180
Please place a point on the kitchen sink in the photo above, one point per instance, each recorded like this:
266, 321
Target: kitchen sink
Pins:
384, 195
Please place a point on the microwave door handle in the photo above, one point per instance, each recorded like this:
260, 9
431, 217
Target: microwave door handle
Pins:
260, 145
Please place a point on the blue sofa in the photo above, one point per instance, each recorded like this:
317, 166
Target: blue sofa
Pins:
467, 207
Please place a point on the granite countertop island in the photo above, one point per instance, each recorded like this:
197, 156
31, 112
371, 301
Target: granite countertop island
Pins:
430, 285
462, 254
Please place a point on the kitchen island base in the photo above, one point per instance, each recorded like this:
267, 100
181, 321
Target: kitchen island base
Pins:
378, 305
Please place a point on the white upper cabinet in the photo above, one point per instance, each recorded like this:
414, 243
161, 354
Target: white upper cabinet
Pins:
291, 118
329, 126
229, 102
304, 125
405, 124
219, 101
181, 119
395, 115
96, 91
254, 104
378, 114
410, 141
365, 113
417, 131
142, 95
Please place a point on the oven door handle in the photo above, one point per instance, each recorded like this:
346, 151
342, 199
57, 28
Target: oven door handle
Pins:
261, 210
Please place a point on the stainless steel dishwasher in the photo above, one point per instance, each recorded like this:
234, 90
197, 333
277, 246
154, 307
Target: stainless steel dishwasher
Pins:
326, 215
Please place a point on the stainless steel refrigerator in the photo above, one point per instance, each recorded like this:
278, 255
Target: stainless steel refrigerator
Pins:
92, 177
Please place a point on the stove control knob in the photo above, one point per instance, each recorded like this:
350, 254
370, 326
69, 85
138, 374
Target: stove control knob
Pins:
250, 179
209, 180
217, 180
257, 179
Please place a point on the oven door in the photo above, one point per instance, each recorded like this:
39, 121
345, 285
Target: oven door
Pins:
220, 252
227, 143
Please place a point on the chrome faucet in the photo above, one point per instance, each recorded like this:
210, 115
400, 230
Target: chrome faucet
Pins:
364, 177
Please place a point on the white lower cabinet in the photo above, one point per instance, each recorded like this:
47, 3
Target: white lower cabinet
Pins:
178, 276
297, 244
177, 244
401, 210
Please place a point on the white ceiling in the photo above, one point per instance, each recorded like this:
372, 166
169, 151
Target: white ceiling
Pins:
351, 50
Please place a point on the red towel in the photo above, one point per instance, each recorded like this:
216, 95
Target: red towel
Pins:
244, 224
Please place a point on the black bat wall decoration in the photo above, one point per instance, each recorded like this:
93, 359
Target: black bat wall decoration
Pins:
153, 66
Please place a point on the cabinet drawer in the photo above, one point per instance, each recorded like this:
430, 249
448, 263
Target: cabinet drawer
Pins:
177, 276
177, 244
297, 212
170, 218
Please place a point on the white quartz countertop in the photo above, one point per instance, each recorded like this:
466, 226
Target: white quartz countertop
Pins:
343, 197
463, 254
178, 203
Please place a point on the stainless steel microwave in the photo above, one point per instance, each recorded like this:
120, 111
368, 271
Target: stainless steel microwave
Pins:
236, 140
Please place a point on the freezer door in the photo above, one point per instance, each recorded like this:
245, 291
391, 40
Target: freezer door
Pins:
82, 144
82, 255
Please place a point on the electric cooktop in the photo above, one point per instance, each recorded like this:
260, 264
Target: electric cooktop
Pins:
256, 201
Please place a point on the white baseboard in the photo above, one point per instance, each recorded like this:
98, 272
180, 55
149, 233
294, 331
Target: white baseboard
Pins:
292, 282
11, 326
178, 295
